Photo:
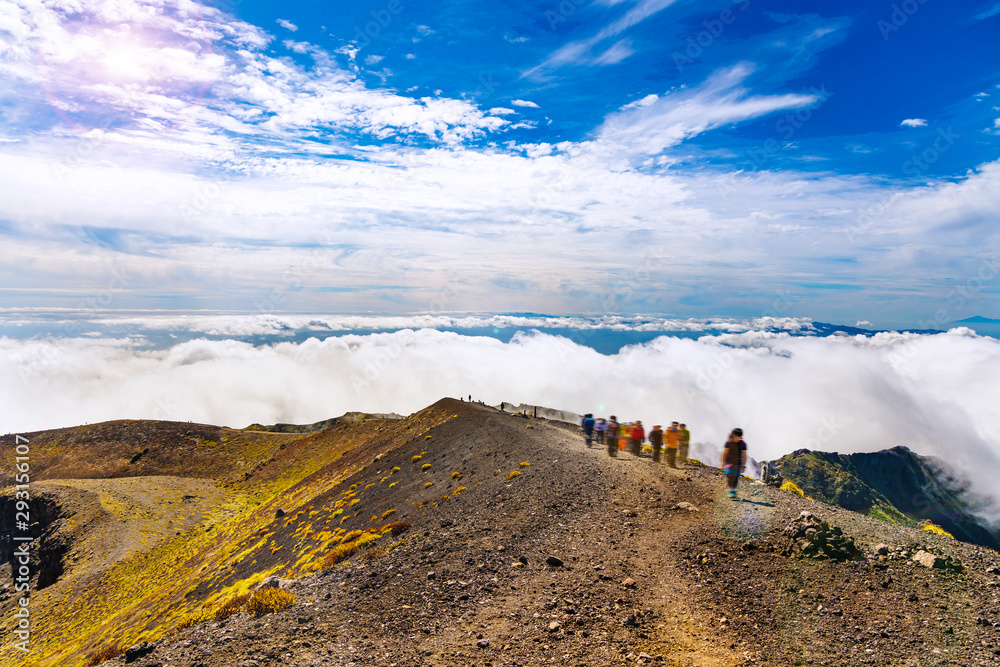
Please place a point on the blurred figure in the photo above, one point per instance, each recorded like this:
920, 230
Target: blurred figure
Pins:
638, 437
673, 440
682, 449
611, 435
656, 440
734, 460
587, 424
600, 429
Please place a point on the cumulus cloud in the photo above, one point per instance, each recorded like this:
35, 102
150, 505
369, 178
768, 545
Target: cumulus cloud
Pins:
287, 25
524, 103
934, 394
913, 122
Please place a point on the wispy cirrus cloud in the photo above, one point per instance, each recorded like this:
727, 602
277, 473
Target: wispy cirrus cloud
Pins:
581, 52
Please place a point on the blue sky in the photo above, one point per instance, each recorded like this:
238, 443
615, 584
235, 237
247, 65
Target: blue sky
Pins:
619, 156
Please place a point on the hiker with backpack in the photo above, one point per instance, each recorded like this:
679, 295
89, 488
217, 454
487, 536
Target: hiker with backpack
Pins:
600, 429
587, 424
656, 440
611, 435
734, 460
638, 437
673, 435
682, 449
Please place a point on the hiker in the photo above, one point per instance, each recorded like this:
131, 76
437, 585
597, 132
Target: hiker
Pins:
673, 440
587, 424
682, 449
734, 460
638, 437
611, 436
600, 429
656, 440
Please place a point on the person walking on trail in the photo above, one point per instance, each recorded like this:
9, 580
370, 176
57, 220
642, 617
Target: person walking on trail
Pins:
656, 440
587, 424
673, 440
682, 449
600, 429
611, 436
638, 437
734, 460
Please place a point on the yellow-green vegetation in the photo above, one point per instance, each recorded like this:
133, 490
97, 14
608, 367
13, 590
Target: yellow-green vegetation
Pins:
392, 484
269, 600
456, 475
201, 567
791, 487
428, 484
427, 437
932, 527
106, 653
425, 467
395, 470
459, 490
514, 473
231, 606
416, 457
525, 464
388, 513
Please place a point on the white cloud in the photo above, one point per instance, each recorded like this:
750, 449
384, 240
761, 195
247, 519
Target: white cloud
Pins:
656, 124
913, 122
374, 59
579, 52
988, 13
616, 53
524, 103
287, 25
934, 394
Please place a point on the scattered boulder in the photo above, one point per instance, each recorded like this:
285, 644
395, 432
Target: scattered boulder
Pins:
553, 561
685, 506
814, 538
936, 562
554, 626
139, 650
275, 582
483, 643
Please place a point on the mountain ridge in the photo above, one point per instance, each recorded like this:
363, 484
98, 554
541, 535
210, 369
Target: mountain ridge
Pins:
518, 544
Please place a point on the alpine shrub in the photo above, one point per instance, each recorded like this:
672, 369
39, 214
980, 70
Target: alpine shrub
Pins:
268, 600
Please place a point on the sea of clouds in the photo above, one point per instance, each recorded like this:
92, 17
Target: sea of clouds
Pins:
935, 394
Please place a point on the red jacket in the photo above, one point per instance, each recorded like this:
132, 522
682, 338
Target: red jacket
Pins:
638, 433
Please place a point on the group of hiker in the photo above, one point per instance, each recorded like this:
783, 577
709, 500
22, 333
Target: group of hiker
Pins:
631, 436
674, 441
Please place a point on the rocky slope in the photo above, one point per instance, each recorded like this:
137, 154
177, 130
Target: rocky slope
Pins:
896, 485
580, 559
